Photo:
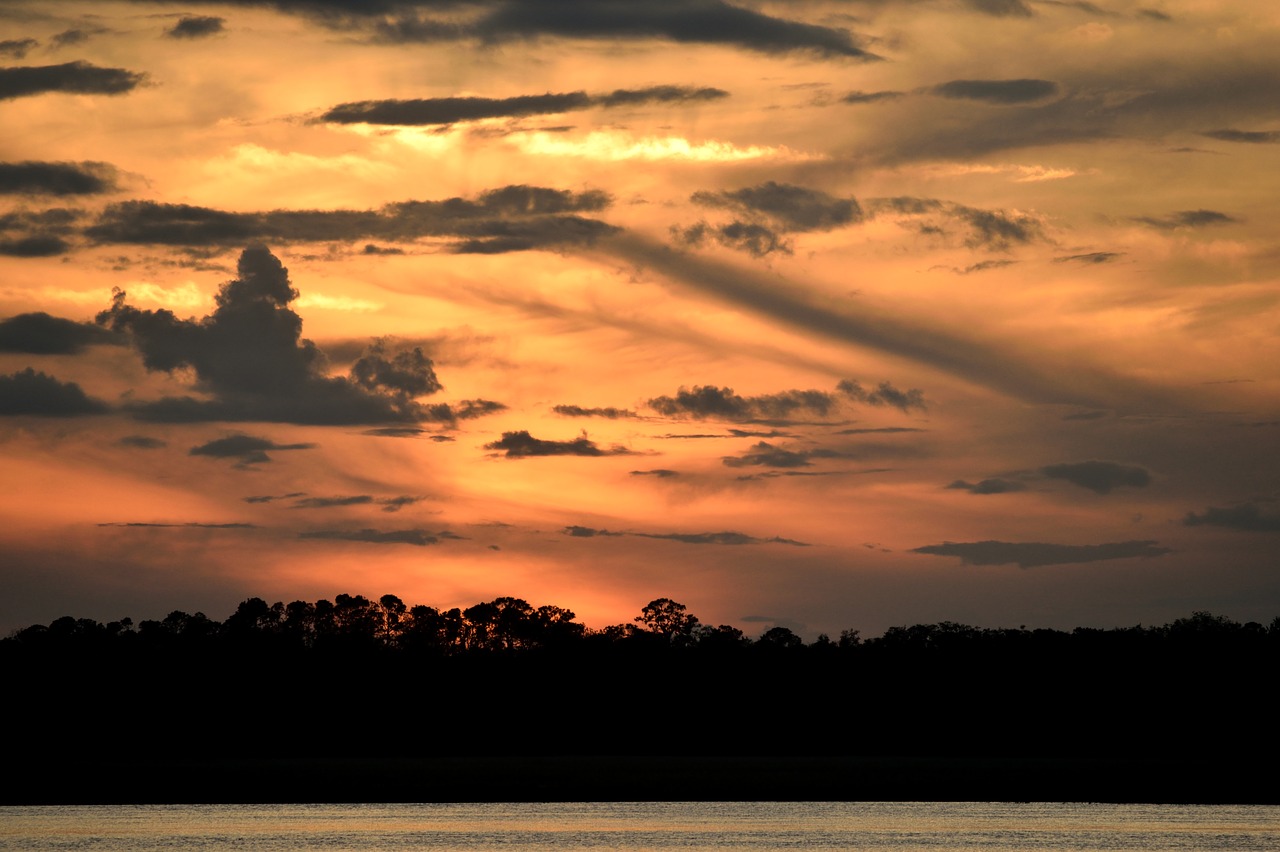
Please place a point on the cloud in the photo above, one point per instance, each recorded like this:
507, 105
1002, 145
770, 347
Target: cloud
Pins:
725, 538
142, 442
609, 412
870, 97
510, 218
983, 266
31, 392
1099, 476
417, 537
997, 91
1035, 554
196, 26
885, 394
1255, 137
44, 178
188, 525
330, 502
72, 77
249, 355
792, 208
1092, 257
755, 239
247, 448
35, 246
682, 21
1185, 219
988, 486
887, 429
41, 334
433, 111
994, 230
518, 445
711, 402
661, 473
18, 48
764, 454
1246, 516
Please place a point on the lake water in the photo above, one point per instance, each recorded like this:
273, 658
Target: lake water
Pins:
692, 827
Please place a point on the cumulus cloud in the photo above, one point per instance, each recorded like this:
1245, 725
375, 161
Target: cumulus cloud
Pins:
683, 21
705, 402
1019, 91
510, 218
1099, 476
988, 486
248, 449
250, 356
417, 537
518, 445
434, 111
80, 78
1246, 516
33, 177
196, 26
1035, 554
41, 334
885, 394
31, 392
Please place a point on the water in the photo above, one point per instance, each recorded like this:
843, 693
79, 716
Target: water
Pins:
641, 827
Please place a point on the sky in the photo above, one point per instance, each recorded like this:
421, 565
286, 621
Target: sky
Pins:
828, 315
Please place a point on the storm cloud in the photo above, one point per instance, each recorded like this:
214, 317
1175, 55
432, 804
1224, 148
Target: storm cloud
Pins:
81, 78
41, 334
1035, 554
433, 111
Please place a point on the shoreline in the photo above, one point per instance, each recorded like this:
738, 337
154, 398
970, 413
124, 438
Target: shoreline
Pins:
560, 778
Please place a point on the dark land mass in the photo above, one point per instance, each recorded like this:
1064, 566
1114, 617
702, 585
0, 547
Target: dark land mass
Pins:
360, 700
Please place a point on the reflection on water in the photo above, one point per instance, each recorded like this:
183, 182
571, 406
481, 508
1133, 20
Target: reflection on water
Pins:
694, 827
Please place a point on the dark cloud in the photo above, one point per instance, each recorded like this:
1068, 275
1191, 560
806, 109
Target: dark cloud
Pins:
997, 91
249, 355
67, 38
1256, 137
518, 445
1185, 219
994, 230
1246, 516
429, 111
41, 334
755, 239
142, 442
983, 266
196, 26
370, 248
885, 429
1034, 554
870, 97
711, 402
988, 486
72, 77
271, 498
727, 537
661, 473
189, 525
791, 208
418, 537
44, 178
395, 504
1154, 14
246, 448
511, 218
18, 48
1091, 257
684, 21
885, 394
764, 454
31, 392
1001, 8
34, 246
1099, 476
609, 413
330, 502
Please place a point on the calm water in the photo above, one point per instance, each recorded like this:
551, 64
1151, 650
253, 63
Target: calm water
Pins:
646, 826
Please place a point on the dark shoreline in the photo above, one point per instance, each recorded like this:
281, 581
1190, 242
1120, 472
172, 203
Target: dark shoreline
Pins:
648, 778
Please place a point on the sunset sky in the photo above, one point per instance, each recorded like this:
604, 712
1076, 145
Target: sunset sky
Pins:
826, 314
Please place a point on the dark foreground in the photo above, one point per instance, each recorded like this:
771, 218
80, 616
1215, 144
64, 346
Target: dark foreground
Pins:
650, 778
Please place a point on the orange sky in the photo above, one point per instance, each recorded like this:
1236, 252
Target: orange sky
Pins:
817, 314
